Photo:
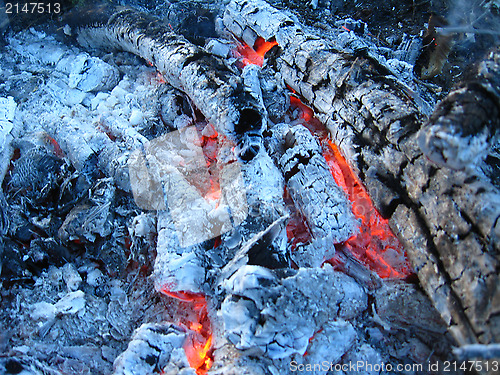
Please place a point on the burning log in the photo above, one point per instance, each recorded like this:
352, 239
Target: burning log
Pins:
466, 123
217, 92
445, 220
313, 189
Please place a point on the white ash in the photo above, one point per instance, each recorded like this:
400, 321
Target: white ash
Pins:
313, 254
313, 189
91, 73
71, 277
72, 116
174, 166
151, 349
277, 316
452, 150
176, 268
51, 321
329, 345
71, 305
251, 80
263, 195
143, 238
220, 48
364, 354
264, 185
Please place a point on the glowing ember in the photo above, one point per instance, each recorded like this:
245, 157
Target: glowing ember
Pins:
198, 344
256, 54
51, 144
375, 245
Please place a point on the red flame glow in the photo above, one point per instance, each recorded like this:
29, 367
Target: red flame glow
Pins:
256, 54
198, 344
375, 245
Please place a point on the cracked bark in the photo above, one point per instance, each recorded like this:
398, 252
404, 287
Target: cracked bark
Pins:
446, 219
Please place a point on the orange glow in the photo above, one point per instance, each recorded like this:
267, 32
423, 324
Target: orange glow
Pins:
52, 143
375, 245
256, 54
210, 147
311, 339
198, 344
160, 78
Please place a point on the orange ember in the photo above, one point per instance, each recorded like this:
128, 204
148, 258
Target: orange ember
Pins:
210, 146
198, 344
375, 245
256, 54
52, 144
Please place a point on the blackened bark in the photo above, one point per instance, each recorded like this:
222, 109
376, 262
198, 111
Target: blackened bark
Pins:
447, 220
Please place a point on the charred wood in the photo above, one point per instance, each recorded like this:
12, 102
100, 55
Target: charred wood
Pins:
465, 124
313, 189
213, 88
445, 219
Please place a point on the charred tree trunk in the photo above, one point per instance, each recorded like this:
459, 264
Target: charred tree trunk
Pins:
214, 89
446, 219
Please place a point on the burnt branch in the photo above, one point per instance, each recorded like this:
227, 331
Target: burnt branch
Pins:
446, 220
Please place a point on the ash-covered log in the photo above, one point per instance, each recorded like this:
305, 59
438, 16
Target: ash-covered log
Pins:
313, 189
214, 89
447, 220
466, 123
259, 318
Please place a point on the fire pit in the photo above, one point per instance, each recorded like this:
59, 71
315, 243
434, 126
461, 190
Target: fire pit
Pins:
259, 187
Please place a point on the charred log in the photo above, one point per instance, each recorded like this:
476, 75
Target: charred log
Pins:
466, 123
445, 219
313, 189
213, 88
